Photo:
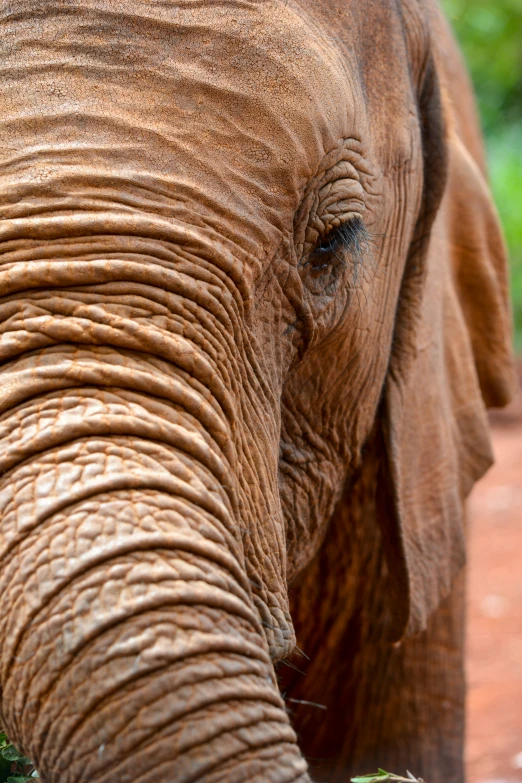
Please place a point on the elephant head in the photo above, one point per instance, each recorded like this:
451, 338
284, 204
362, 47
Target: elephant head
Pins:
240, 240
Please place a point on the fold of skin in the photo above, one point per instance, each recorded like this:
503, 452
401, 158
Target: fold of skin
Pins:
154, 212
142, 549
133, 647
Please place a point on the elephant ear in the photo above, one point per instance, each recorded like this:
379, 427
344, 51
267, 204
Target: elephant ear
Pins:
451, 358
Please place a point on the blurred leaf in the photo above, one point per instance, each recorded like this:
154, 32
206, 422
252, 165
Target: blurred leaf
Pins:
14, 766
381, 776
12, 754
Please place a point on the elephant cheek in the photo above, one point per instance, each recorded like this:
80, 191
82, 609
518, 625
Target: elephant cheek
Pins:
132, 646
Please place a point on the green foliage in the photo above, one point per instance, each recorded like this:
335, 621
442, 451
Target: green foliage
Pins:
489, 32
381, 776
14, 766
505, 161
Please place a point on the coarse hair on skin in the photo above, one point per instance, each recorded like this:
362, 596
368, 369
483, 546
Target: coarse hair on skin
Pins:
351, 240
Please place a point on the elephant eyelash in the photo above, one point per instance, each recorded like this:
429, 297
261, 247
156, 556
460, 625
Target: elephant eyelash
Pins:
351, 237
346, 244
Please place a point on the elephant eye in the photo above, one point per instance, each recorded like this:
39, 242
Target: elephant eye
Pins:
349, 236
327, 260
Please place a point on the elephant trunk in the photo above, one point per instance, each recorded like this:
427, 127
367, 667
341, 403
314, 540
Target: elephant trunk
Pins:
132, 647
140, 658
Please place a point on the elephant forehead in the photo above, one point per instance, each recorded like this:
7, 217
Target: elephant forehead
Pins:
266, 67
240, 100
259, 86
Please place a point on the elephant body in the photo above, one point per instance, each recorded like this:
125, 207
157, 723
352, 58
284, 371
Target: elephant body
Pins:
253, 308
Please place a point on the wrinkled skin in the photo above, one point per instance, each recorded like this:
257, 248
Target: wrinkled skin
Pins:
205, 419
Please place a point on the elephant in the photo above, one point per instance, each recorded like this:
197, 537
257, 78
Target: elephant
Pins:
254, 306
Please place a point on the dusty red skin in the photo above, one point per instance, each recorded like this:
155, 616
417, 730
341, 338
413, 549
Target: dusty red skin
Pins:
191, 402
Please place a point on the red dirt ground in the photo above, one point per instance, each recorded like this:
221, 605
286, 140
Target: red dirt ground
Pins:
494, 739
